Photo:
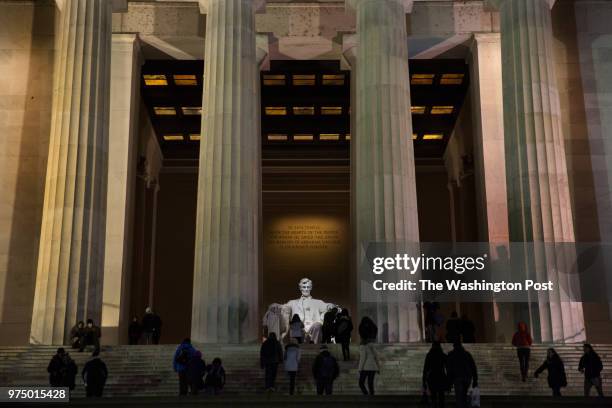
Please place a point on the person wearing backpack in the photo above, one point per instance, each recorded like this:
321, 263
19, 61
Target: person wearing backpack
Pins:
270, 356
215, 377
184, 352
94, 375
369, 366
292, 363
556, 372
325, 371
343, 330
591, 366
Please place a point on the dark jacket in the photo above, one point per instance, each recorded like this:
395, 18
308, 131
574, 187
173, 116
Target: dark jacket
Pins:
556, 372
215, 376
453, 330
271, 352
151, 323
183, 349
55, 370
343, 329
69, 374
522, 338
134, 330
76, 332
435, 377
195, 371
461, 366
468, 331
325, 366
95, 373
591, 364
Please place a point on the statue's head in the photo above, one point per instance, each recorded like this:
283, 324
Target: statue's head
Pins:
305, 286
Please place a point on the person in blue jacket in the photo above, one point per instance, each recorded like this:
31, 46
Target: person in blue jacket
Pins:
184, 352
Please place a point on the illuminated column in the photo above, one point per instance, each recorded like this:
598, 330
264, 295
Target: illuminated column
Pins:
226, 276
122, 148
385, 205
539, 203
71, 254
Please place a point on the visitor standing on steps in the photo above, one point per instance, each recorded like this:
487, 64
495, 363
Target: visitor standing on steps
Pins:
327, 329
556, 372
343, 330
368, 331
461, 372
435, 378
270, 356
292, 363
369, 366
296, 329
184, 352
325, 371
151, 326
453, 329
134, 331
591, 366
94, 375
522, 341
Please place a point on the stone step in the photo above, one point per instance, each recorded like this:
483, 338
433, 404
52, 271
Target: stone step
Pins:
147, 370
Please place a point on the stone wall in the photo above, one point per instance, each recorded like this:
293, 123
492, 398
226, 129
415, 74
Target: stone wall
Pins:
26, 72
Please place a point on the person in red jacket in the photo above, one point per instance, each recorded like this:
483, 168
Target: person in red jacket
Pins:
522, 341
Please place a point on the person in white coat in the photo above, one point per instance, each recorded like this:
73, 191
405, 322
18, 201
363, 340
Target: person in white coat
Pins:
369, 366
292, 363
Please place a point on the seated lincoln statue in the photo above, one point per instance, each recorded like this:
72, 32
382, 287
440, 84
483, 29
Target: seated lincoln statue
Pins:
310, 311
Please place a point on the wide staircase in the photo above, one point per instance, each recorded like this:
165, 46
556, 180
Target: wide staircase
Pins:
146, 371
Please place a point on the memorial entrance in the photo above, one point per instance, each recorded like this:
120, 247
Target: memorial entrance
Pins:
306, 180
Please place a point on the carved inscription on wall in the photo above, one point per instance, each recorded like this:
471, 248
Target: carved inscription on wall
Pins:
304, 236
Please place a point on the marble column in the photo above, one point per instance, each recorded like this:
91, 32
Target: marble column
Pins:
489, 153
539, 205
226, 276
71, 254
123, 140
385, 205
489, 159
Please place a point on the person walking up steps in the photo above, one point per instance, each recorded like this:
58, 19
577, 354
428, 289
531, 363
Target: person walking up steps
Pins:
556, 372
369, 366
292, 363
522, 341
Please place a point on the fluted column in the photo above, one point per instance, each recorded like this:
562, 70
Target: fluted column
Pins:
226, 277
385, 205
539, 205
71, 255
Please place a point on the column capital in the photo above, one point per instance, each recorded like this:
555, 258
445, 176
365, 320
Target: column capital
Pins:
496, 4
353, 4
259, 6
350, 44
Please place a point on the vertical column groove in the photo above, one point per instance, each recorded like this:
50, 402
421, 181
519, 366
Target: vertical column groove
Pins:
70, 261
